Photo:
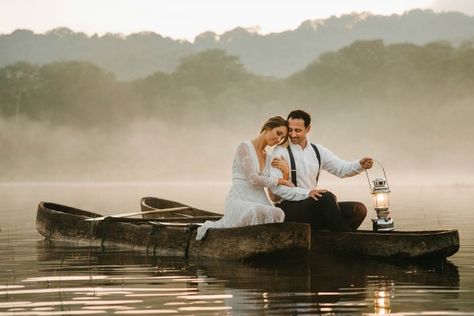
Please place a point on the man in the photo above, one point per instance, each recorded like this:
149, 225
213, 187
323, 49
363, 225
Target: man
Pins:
305, 202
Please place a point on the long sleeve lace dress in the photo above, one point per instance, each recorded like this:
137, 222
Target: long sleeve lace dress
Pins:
247, 203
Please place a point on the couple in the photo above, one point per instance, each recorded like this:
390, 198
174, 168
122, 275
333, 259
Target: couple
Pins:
294, 191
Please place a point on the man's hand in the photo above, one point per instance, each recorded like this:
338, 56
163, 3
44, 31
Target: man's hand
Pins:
366, 163
316, 193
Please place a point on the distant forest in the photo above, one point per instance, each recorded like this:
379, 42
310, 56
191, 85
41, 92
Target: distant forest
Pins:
366, 74
280, 54
409, 105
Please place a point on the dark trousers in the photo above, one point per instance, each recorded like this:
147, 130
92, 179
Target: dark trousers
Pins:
325, 213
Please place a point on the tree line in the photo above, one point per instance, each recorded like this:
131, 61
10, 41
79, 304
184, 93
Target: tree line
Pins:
280, 54
360, 76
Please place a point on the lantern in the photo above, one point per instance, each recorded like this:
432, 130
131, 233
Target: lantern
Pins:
381, 202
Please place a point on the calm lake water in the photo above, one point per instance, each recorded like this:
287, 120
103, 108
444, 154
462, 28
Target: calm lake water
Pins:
42, 278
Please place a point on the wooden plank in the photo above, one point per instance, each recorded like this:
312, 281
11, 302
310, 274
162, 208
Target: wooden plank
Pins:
94, 219
175, 224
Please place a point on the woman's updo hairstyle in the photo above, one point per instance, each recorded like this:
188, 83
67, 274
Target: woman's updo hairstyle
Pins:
273, 122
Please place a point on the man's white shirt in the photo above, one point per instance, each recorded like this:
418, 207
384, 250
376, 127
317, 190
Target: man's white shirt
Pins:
307, 167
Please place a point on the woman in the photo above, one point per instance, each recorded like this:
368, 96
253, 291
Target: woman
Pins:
247, 202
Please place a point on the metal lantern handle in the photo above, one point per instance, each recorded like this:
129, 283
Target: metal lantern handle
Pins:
367, 174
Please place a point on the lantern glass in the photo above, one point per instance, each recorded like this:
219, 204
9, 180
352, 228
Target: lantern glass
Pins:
380, 200
380, 192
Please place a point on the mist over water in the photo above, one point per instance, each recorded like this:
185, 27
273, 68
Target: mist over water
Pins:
138, 151
438, 150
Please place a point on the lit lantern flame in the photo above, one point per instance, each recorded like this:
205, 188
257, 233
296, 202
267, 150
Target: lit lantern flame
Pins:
380, 199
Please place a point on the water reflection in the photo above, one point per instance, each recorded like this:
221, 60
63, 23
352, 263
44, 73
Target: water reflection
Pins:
86, 279
67, 279
333, 284
384, 292
42, 278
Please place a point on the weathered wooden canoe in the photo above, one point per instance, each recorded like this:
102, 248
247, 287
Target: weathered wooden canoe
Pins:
60, 222
391, 245
192, 214
394, 244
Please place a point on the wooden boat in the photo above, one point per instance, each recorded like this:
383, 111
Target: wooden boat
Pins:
172, 238
191, 214
392, 245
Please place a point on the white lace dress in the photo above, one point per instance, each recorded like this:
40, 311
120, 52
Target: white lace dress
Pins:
247, 203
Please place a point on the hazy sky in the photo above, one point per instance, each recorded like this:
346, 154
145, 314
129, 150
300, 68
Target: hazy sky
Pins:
187, 18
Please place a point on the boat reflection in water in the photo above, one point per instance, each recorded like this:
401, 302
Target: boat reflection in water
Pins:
86, 278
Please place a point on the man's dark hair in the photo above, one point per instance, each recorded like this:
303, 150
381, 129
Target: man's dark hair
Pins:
299, 114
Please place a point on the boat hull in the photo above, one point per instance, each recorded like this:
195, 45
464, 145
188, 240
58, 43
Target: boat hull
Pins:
394, 245
391, 245
60, 222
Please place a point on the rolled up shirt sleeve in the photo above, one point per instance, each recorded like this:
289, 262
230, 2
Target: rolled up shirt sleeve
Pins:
337, 166
282, 191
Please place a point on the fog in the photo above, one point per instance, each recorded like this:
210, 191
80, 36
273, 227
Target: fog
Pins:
408, 106
155, 150
465, 6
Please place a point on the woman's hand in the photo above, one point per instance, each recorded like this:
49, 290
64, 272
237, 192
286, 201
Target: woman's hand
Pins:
282, 165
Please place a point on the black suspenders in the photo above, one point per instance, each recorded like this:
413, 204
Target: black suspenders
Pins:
318, 156
293, 165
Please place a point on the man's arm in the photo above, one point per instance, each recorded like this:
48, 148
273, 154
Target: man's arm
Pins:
338, 167
282, 191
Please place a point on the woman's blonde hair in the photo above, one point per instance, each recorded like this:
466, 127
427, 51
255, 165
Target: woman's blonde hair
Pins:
273, 122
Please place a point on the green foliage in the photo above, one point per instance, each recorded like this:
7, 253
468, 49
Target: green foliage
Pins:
66, 92
397, 71
363, 74
81, 87
210, 72
18, 84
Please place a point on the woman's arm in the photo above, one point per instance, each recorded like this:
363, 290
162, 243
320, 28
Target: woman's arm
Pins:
245, 162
